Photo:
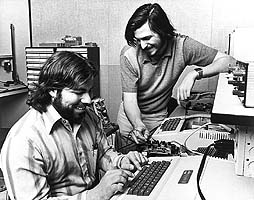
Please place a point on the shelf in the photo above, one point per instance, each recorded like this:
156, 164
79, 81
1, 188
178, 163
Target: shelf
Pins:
8, 57
13, 89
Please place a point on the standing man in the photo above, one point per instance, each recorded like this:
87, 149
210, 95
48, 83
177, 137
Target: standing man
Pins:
150, 67
56, 149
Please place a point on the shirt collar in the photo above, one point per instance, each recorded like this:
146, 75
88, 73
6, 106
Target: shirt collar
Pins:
50, 117
168, 53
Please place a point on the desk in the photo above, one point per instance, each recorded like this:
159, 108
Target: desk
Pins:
12, 89
228, 109
12, 105
221, 179
218, 181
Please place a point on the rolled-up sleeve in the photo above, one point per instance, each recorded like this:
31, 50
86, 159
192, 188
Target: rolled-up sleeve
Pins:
129, 76
196, 53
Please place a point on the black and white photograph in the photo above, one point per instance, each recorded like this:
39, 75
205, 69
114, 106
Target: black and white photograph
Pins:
126, 100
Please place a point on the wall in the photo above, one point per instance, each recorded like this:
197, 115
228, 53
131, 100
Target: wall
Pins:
104, 21
13, 12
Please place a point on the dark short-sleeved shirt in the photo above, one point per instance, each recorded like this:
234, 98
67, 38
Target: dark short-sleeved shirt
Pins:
154, 82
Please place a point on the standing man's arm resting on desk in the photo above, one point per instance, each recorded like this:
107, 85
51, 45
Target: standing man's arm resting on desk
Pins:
134, 115
220, 64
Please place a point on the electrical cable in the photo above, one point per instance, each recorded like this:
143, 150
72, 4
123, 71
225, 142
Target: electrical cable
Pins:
195, 130
188, 151
222, 145
200, 170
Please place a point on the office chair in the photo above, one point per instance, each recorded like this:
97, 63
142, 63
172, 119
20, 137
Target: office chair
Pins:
3, 189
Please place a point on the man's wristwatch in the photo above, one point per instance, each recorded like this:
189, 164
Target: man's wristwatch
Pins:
200, 73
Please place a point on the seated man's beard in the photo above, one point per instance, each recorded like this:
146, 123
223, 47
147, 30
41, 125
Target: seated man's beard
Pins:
66, 112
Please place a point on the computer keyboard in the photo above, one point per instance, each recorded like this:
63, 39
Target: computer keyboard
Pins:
147, 178
170, 124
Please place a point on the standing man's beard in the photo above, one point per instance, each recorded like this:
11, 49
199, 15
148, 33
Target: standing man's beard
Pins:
66, 112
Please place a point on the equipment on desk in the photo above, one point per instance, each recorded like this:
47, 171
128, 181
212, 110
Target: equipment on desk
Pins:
238, 109
15, 76
199, 101
243, 81
157, 148
195, 132
176, 178
162, 148
9, 86
8, 62
249, 88
229, 110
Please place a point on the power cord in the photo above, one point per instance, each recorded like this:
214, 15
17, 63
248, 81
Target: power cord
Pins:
194, 131
221, 145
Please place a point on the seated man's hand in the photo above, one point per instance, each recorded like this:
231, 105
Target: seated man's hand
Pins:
133, 160
112, 182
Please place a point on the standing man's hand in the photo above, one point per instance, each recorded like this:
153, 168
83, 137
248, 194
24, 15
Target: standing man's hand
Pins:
183, 91
139, 134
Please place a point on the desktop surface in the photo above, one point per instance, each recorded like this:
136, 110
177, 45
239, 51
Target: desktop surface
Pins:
218, 181
228, 108
12, 89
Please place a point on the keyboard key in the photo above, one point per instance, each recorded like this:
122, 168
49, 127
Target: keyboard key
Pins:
170, 124
145, 181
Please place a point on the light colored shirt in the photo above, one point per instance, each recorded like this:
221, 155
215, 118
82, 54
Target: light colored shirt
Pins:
43, 157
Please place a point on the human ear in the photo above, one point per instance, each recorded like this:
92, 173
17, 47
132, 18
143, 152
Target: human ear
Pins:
53, 94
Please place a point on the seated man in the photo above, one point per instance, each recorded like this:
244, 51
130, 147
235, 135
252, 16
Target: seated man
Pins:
57, 148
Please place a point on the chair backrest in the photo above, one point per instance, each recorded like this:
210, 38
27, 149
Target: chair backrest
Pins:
100, 109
